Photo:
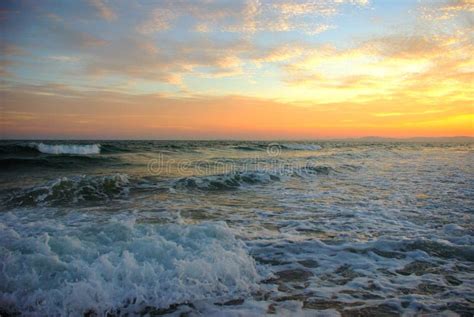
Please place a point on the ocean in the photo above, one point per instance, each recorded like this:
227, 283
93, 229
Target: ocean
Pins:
236, 228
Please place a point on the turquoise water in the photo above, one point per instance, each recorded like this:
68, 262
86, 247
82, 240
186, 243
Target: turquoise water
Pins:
236, 228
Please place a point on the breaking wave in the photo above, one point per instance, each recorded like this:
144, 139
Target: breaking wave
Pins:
75, 149
70, 190
33, 148
118, 268
226, 181
239, 179
66, 191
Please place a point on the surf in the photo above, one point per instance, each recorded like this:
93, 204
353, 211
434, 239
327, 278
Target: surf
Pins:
75, 149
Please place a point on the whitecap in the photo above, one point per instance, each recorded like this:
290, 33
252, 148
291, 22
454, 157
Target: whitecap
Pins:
76, 149
49, 269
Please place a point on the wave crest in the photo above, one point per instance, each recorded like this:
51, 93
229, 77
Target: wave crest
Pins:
283, 146
226, 181
75, 149
118, 268
300, 147
69, 190
238, 179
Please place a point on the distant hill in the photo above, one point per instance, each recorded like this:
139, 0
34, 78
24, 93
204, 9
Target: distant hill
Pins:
419, 139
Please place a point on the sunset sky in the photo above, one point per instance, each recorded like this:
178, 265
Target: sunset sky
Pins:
236, 69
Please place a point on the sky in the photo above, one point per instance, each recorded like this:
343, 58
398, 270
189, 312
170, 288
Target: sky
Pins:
235, 69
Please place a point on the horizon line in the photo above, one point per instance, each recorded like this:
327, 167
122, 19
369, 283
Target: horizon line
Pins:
254, 140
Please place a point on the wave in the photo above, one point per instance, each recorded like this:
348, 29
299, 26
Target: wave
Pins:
275, 146
442, 249
133, 146
18, 149
70, 190
10, 163
226, 181
300, 147
75, 149
237, 179
316, 169
34, 148
88, 188
120, 267
114, 148
248, 148
57, 162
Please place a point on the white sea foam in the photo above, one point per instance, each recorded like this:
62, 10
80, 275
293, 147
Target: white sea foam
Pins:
50, 268
359, 230
76, 149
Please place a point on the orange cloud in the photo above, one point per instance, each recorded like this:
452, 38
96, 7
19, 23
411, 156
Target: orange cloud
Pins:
447, 9
104, 11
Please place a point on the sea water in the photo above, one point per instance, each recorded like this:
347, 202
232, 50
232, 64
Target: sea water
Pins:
233, 228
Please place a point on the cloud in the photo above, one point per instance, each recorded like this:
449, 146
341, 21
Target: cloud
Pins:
258, 16
64, 36
160, 20
290, 9
403, 46
278, 53
104, 10
140, 57
245, 17
39, 27
54, 17
64, 59
428, 66
409, 113
4, 66
202, 27
446, 10
189, 44
142, 53
7, 49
